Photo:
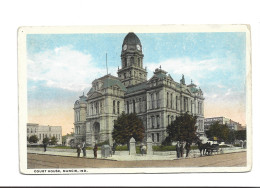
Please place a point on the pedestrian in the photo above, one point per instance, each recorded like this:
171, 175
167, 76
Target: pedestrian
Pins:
187, 147
181, 149
144, 149
45, 146
114, 148
84, 149
95, 151
141, 149
78, 150
178, 149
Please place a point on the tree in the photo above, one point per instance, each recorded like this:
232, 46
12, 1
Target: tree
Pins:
241, 135
33, 139
218, 130
46, 140
182, 129
54, 140
127, 126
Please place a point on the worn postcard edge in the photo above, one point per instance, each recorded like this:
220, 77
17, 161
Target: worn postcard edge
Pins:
22, 89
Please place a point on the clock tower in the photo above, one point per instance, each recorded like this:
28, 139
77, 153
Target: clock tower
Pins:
132, 71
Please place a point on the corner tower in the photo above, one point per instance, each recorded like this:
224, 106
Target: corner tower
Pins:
132, 71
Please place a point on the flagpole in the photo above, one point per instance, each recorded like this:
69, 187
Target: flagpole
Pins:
106, 63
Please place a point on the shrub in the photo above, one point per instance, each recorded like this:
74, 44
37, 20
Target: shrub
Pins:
122, 148
164, 148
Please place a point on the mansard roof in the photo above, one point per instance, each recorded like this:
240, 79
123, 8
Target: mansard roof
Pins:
111, 81
137, 87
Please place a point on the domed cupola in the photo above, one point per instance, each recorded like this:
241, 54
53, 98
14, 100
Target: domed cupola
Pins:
131, 43
132, 71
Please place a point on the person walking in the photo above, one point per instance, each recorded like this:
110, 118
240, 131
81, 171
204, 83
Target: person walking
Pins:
178, 149
181, 149
78, 150
45, 147
187, 147
84, 149
95, 151
114, 148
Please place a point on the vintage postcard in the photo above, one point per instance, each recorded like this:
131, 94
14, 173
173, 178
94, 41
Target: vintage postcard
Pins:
134, 99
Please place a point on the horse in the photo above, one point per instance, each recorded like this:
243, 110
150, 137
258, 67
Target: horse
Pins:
202, 147
211, 148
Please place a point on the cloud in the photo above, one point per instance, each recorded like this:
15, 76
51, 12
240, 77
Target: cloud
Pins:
64, 68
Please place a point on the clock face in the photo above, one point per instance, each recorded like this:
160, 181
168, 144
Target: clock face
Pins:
125, 47
138, 47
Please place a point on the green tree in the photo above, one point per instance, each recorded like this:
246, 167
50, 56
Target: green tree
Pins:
33, 139
241, 135
182, 129
218, 130
46, 140
54, 140
127, 126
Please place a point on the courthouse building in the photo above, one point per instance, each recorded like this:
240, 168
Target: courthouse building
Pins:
44, 131
157, 101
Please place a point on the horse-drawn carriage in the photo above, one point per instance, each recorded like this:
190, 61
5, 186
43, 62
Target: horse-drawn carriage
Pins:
207, 148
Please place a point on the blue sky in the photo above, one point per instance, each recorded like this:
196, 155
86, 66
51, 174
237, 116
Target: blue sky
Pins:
62, 66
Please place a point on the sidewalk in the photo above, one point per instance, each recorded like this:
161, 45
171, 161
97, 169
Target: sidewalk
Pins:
137, 157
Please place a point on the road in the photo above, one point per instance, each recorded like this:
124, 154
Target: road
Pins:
48, 161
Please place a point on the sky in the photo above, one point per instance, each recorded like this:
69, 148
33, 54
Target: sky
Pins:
60, 67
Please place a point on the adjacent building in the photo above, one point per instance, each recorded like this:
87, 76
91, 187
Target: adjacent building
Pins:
157, 101
222, 120
43, 131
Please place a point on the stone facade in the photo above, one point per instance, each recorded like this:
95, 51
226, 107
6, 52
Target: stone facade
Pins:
43, 131
156, 101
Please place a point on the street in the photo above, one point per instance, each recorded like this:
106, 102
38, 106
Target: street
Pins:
49, 161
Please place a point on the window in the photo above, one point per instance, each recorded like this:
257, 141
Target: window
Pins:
28, 130
127, 106
125, 62
125, 75
132, 60
168, 119
158, 121
118, 107
40, 136
97, 106
171, 100
176, 102
114, 107
152, 137
191, 106
138, 62
158, 137
167, 102
158, 100
172, 119
152, 119
134, 106
152, 101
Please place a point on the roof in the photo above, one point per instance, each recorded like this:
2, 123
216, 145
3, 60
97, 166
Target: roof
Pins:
137, 87
108, 82
132, 39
